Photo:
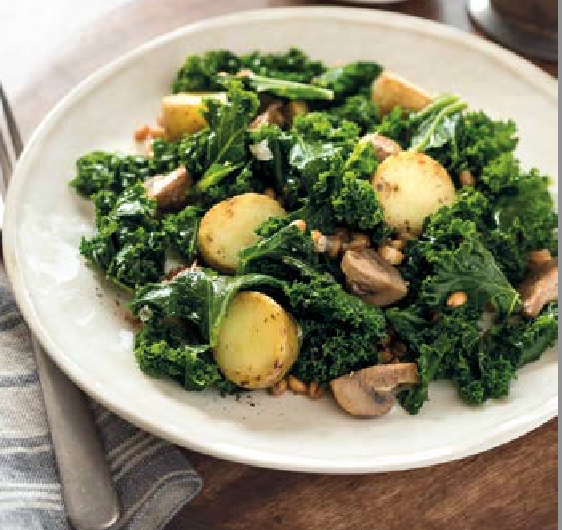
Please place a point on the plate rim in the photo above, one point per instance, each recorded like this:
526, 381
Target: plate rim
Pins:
509, 431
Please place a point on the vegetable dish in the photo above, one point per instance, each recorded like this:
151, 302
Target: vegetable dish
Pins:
296, 226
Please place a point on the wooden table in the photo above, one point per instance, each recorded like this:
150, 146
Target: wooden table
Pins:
513, 487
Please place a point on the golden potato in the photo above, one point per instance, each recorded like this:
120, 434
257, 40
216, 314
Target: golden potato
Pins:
390, 90
258, 341
181, 113
229, 226
411, 186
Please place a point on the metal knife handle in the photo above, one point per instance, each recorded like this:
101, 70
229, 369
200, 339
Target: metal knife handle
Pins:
87, 487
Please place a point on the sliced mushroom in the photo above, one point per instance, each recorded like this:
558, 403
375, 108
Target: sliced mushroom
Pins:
169, 190
370, 392
384, 146
539, 288
273, 115
372, 278
295, 108
538, 258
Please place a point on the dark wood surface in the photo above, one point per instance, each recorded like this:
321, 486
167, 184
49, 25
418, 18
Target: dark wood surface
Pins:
513, 487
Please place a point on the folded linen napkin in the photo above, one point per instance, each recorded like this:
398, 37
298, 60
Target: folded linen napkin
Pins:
153, 479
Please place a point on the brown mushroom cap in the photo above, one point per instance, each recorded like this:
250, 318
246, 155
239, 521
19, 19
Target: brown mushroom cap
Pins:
169, 190
370, 392
539, 288
384, 146
273, 114
372, 278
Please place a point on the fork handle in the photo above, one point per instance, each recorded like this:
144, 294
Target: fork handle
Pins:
87, 487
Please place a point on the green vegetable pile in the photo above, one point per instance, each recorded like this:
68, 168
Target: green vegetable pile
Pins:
321, 171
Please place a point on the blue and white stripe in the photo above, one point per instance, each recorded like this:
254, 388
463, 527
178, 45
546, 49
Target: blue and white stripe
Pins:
152, 477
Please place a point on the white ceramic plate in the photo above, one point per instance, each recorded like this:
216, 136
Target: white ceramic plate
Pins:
84, 331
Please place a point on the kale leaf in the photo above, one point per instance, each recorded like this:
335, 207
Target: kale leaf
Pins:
200, 297
182, 319
283, 88
129, 245
350, 79
522, 341
168, 348
340, 332
293, 65
275, 170
225, 146
100, 171
181, 229
470, 268
201, 73
434, 344
359, 109
281, 254
436, 125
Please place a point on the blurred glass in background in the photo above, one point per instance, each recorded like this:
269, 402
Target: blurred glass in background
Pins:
527, 26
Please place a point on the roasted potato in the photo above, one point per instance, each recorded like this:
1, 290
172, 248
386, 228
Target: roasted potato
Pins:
390, 90
229, 226
181, 113
411, 186
258, 341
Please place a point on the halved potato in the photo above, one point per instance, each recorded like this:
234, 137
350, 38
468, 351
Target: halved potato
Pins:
389, 90
181, 113
411, 186
258, 341
229, 226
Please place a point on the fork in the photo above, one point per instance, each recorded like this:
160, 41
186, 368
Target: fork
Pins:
88, 491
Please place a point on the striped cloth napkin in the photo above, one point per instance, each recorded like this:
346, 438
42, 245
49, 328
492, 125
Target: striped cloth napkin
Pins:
153, 479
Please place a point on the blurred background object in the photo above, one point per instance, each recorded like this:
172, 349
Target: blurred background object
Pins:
527, 26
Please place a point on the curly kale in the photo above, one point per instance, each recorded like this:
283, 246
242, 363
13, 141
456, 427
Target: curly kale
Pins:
100, 171
275, 171
323, 127
359, 109
201, 73
181, 230
503, 349
520, 340
225, 146
129, 245
435, 344
521, 216
451, 256
181, 321
458, 140
350, 79
283, 88
479, 140
286, 253
340, 332
168, 348
320, 170
293, 65
333, 166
